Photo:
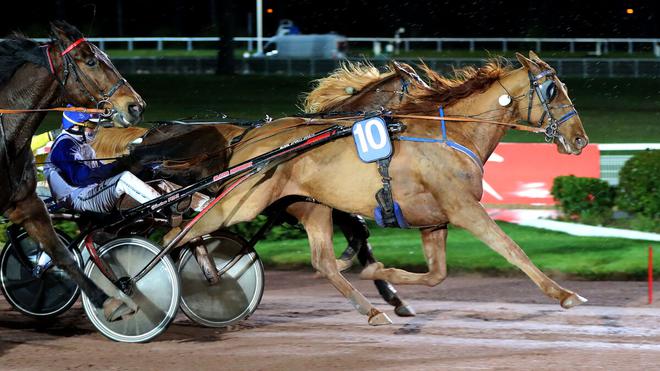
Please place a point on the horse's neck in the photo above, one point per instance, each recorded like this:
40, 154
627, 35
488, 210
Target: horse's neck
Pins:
484, 138
30, 87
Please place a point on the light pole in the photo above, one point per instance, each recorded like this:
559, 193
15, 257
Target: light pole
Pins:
260, 27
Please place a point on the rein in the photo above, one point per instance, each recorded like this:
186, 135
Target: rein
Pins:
465, 119
59, 109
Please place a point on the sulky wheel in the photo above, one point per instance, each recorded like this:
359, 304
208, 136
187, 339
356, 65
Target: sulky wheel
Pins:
43, 297
239, 291
156, 294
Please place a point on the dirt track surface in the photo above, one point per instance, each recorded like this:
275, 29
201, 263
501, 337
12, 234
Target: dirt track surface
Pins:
303, 323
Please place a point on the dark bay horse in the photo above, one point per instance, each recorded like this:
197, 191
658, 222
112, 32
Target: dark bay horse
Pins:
66, 70
433, 183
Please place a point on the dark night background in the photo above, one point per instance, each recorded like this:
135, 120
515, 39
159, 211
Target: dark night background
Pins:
445, 18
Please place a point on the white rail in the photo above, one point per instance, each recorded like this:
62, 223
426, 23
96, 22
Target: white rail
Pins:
599, 45
628, 146
610, 164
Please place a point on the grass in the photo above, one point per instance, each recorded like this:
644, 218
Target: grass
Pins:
553, 252
612, 110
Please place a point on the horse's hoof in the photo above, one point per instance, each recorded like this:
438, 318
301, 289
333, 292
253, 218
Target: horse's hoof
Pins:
404, 310
572, 301
380, 319
343, 265
115, 309
369, 271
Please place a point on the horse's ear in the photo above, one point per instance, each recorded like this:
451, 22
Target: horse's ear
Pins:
529, 64
407, 72
533, 56
63, 31
539, 62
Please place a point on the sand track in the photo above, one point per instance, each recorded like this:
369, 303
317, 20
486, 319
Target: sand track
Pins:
302, 323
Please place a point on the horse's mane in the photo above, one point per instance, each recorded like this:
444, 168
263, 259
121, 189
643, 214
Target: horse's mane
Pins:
445, 91
113, 142
329, 91
15, 51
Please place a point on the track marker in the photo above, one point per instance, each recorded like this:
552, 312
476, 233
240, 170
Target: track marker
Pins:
650, 275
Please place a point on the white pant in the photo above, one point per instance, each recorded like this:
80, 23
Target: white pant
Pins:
103, 197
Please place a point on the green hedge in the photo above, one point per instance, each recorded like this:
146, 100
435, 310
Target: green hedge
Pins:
588, 199
278, 233
639, 185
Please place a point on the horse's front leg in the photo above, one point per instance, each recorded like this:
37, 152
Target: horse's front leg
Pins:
472, 216
31, 213
434, 243
317, 220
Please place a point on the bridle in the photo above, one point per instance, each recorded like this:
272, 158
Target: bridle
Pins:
547, 92
69, 67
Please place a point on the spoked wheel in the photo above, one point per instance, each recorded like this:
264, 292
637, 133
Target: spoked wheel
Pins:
156, 294
44, 297
239, 291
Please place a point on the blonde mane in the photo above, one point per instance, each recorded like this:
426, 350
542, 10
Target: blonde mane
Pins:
464, 81
341, 84
113, 142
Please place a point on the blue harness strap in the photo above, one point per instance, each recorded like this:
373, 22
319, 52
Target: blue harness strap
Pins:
388, 213
449, 143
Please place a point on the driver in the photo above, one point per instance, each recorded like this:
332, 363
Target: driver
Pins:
82, 182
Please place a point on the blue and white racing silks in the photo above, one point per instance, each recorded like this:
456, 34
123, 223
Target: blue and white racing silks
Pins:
83, 183
71, 166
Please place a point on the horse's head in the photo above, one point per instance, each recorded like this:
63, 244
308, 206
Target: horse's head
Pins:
362, 87
88, 77
546, 104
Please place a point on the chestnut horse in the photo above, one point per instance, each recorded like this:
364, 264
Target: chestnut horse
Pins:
433, 183
66, 70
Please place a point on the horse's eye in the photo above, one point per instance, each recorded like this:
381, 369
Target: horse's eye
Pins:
91, 62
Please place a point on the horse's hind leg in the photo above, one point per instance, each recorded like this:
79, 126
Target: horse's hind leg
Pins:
356, 232
434, 242
475, 219
385, 289
317, 220
32, 215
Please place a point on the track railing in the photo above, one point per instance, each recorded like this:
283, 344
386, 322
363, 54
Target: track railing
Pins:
598, 46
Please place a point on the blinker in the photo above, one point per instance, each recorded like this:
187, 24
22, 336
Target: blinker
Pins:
549, 90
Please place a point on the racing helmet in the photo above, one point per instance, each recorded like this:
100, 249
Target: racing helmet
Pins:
76, 122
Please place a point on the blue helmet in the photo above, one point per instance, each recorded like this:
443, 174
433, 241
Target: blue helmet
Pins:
72, 118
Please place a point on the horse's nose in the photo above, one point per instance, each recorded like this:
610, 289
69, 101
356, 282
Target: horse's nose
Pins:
581, 142
135, 109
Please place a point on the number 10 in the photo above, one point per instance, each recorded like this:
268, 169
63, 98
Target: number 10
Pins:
367, 140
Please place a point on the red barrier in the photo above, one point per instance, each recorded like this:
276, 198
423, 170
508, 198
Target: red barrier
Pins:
650, 275
522, 173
